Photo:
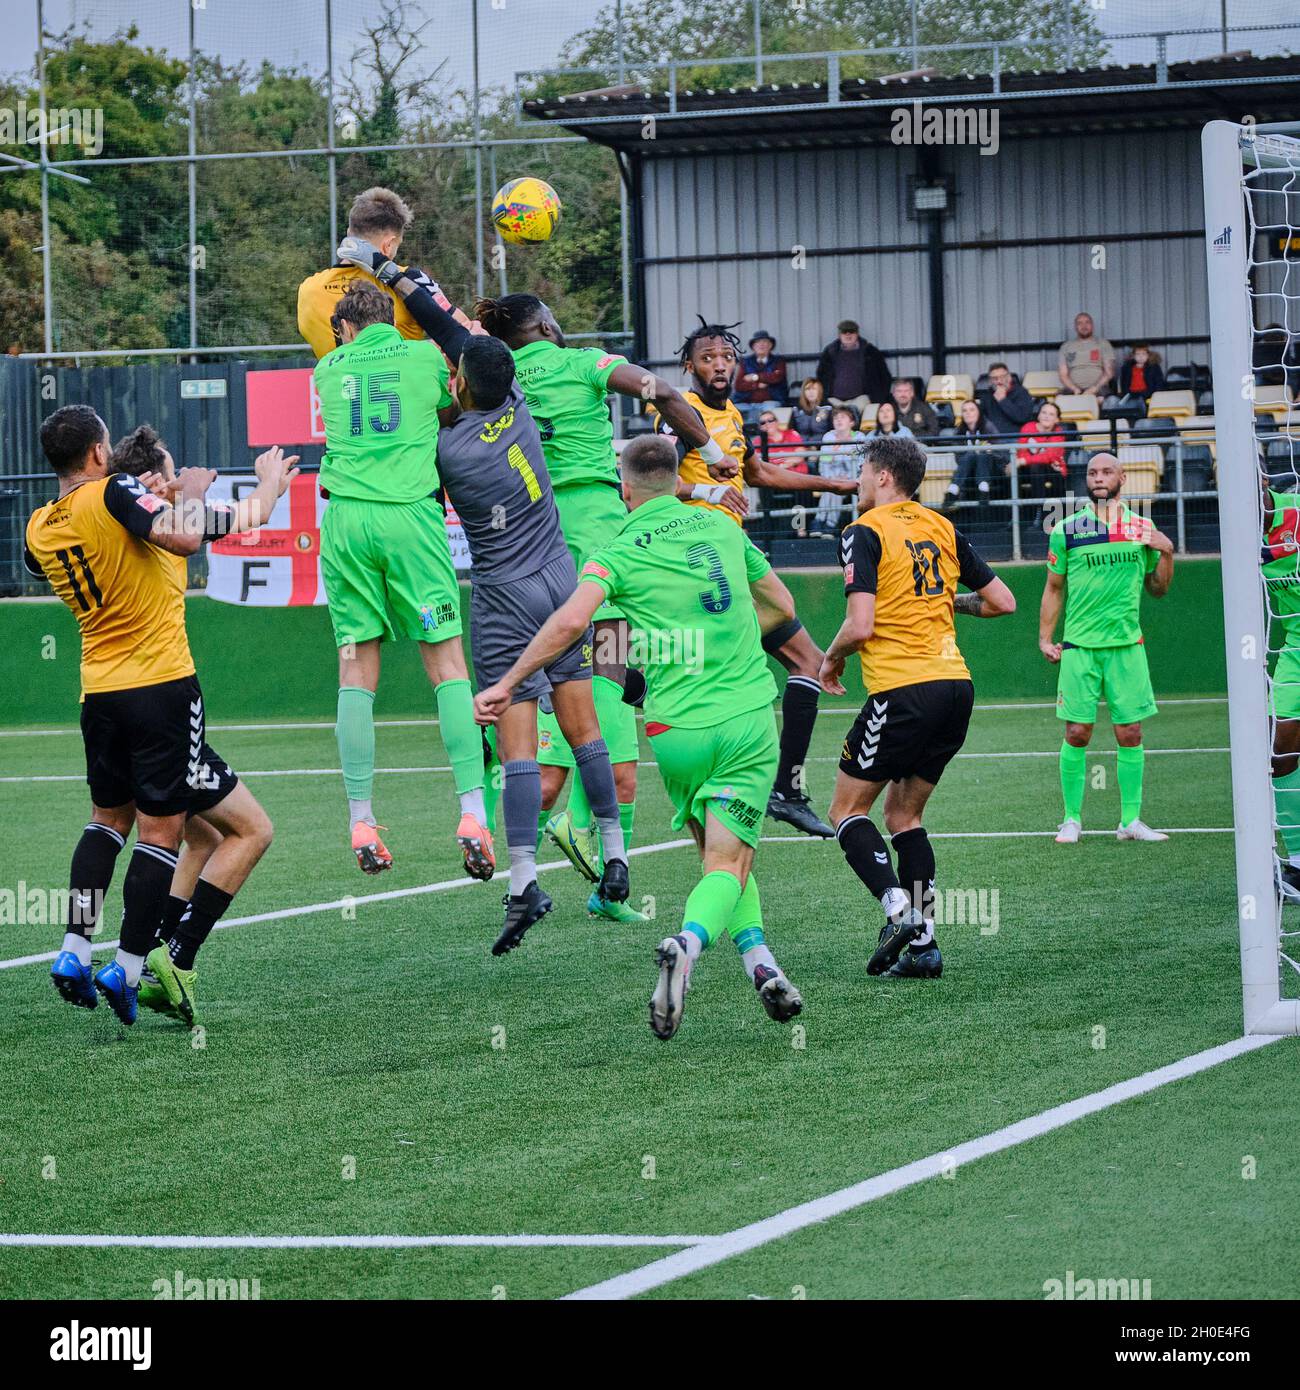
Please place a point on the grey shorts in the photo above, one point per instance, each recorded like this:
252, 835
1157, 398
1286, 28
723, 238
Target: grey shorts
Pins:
505, 617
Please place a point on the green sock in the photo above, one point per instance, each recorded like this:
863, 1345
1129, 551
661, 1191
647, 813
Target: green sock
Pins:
627, 817
1074, 773
355, 730
579, 808
1286, 807
542, 818
1129, 763
746, 925
710, 905
460, 734
491, 778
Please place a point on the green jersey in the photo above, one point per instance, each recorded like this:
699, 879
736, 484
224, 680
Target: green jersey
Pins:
566, 389
379, 400
1280, 560
681, 575
1104, 568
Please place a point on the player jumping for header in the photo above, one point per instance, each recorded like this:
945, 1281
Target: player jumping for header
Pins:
902, 565
709, 354
1099, 559
490, 461
684, 573
385, 558
566, 390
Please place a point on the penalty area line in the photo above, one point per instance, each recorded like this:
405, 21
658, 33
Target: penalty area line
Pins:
97, 1242
745, 1238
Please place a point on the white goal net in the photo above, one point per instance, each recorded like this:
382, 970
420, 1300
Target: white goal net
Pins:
1252, 219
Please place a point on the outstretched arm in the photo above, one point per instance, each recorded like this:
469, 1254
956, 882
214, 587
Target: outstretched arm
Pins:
424, 299
760, 472
675, 411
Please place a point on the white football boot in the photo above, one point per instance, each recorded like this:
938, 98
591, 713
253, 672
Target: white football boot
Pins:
1069, 832
1139, 830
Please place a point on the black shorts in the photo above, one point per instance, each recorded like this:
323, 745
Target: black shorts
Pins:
910, 731
149, 745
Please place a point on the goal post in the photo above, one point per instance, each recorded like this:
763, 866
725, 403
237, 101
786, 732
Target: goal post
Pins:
1234, 159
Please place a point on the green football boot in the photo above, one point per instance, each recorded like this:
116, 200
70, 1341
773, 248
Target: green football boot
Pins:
580, 847
178, 984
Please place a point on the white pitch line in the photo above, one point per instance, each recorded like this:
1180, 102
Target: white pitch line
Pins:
648, 762
95, 1242
307, 909
711, 1252
280, 913
1010, 705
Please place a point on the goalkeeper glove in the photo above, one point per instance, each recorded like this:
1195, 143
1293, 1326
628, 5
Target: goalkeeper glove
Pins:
353, 250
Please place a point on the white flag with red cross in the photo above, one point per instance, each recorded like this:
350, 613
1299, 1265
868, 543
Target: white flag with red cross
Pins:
277, 566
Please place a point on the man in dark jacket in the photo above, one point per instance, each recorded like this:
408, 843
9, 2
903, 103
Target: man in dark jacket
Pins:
853, 371
1006, 404
761, 375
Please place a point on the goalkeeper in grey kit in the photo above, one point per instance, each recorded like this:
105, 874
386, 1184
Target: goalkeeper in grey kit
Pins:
491, 464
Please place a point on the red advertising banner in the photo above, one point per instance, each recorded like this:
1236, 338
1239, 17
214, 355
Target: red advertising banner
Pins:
283, 408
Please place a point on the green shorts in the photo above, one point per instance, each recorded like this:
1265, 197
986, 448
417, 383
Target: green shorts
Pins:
617, 727
726, 770
1284, 695
1119, 673
591, 515
388, 571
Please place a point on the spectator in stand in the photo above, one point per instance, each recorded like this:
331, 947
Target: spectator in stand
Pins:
1087, 362
916, 414
1042, 459
781, 443
761, 374
887, 422
1141, 373
853, 371
812, 416
1004, 404
840, 457
976, 457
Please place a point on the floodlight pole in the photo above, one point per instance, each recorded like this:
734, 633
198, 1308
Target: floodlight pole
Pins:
478, 165
192, 170
46, 277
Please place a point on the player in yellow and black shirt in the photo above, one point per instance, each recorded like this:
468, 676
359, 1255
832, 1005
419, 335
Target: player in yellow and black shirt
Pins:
902, 565
709, 355
113, 547
381, 218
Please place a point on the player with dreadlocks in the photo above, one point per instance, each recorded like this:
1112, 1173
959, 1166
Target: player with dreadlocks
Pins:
566, 390
709, 354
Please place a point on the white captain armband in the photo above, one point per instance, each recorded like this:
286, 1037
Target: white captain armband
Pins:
709, 492
711, 451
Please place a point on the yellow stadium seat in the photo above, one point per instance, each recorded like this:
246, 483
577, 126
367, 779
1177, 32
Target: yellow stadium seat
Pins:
1274, 401
1142, 465
1095, 434
939, 468
950, 387
1078, 408
868, 421
1171, 405
1041, 383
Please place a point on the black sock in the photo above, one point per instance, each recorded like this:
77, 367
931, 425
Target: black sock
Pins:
144, 895
634, 687
93, 862
864, 848
201, 913
916, 868
173, 911
798, 715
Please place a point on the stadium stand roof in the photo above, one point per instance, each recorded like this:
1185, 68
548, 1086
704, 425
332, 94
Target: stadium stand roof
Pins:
859, 110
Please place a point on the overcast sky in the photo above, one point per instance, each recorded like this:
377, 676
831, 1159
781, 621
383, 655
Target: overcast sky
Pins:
513, 34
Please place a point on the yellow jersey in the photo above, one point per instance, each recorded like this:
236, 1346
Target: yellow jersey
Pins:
127, 595
725, 424
912, 559
320, 293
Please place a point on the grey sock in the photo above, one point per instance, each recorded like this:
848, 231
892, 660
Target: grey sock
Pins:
360, 810
521, 805
598, 782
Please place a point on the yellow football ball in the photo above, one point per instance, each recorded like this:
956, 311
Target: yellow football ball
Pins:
525, 210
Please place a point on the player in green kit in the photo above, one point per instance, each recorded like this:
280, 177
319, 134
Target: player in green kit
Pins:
690, 580
1280, 561
385, 558
1099, 560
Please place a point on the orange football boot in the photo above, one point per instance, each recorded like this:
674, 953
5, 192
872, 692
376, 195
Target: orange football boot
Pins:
372, 854
475, 841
